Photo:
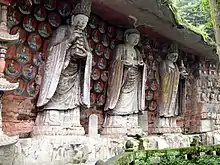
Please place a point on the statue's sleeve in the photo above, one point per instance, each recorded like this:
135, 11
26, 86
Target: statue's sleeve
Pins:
141, 84
115, 78
56, 55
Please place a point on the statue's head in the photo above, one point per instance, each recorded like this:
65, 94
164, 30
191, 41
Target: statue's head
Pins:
79, 21
81, 14
132, 37
173, 52
173, 56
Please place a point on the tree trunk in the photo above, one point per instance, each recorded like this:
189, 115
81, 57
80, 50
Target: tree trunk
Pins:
215, 14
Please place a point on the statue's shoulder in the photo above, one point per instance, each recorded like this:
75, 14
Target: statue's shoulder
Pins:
62, 29
120, 47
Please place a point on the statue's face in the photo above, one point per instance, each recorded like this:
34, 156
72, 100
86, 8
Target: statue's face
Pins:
133, 39
79, 21
173, 57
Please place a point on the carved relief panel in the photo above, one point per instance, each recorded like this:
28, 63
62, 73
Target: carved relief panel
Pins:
26, 59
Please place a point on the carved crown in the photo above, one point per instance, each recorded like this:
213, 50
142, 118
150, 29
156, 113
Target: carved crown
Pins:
84, 7
173, 48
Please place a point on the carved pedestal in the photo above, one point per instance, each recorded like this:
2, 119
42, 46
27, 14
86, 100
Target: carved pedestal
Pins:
54, 122
121, 125
166, 126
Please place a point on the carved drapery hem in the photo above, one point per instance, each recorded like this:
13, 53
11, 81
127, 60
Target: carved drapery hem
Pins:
57, 130
121, 125
53, 122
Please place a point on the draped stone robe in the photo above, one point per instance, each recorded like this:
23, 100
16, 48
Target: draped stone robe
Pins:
172, 91
126, 85
65, 86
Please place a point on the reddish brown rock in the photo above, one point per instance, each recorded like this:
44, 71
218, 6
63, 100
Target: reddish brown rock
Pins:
18, 115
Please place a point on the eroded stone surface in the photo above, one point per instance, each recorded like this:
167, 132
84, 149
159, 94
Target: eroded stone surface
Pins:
69, 150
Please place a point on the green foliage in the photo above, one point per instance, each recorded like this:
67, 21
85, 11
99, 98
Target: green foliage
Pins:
196, 155
195, 15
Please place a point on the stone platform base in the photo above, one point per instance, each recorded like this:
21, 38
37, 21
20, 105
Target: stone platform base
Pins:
80, 150
168, 130
114, 131
57, 130
8, 140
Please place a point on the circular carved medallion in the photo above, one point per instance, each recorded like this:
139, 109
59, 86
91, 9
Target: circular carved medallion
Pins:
93, 22
34, 41
24, 54
44, 29
14, 18
40, 13
50, 4
100, 100
95, 73
107, 53
113, 43
149, 95
154, 86
99, 49
102, 27
111, 31
98, 86
96, 36
12, 68
31, 89
37, 2
153, 105
64, 9
104, 76
29, 24
54, 19
29, 72
93, 98
102, 63
24, 7
119, 35
105, 40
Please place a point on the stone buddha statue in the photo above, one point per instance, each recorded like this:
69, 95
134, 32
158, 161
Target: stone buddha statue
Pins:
126, 88
172, 93
66, 83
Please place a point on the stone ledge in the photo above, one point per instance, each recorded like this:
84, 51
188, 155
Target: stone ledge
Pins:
68, 150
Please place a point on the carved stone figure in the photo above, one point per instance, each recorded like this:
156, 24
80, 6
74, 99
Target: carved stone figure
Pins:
5, 85
172, 93
66, 83
126, 89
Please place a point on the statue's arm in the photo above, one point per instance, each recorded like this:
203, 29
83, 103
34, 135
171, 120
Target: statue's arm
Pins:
140, 57
163, 70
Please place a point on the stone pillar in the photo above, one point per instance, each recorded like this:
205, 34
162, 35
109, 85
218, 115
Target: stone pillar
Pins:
5, 85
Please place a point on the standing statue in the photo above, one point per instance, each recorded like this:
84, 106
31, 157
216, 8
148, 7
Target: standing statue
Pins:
172, 93
126, 88
66, 83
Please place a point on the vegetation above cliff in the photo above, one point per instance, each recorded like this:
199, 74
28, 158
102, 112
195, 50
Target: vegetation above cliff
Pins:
194, 15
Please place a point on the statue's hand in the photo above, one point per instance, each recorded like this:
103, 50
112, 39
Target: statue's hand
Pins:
73, 37
184, 73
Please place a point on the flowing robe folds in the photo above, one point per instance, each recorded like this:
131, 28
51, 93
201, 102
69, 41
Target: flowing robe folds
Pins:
126, 86
172, 91
65, 86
